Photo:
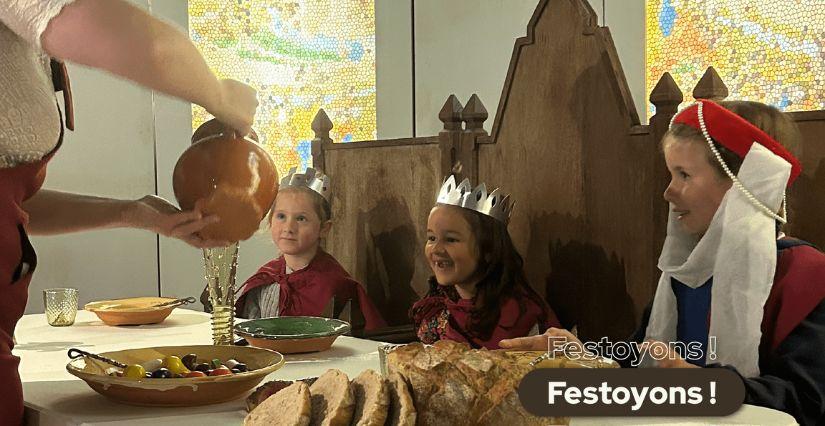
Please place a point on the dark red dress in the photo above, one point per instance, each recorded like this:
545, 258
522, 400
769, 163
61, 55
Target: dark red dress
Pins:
17, 263
439, 317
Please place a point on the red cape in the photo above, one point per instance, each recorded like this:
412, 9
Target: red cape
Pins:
798, 287
308, 291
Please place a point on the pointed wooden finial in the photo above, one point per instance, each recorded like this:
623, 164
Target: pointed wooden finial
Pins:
710, 86
474, 114
321, 125
666, 96
450, 114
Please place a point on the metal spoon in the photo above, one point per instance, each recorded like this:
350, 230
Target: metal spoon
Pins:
176, 302
75, 353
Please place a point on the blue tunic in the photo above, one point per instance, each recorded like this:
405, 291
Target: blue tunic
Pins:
693, 318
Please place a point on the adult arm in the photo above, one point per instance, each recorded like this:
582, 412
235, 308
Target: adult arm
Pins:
53, 212
124, 40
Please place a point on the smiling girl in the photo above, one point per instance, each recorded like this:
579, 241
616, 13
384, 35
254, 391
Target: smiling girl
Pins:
478, 293
305, 278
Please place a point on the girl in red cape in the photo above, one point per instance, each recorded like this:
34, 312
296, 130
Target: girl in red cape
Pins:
478, 293
305, 278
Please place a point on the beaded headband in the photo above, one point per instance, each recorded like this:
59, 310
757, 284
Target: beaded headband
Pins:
738, 135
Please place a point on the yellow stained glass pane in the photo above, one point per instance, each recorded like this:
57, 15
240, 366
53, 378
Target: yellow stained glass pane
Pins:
301, 55
771, 51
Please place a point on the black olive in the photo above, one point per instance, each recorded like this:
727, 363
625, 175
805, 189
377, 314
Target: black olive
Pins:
235, 371
202, 367
148, 375
190, 361
241, 366
161, 373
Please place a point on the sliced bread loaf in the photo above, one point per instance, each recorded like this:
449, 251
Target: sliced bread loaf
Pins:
372, 399
402, 409
290, 406
333, 401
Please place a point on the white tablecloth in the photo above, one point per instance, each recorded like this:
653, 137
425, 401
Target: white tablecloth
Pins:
54, 397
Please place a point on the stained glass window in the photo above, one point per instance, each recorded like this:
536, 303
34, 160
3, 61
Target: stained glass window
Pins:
301, 55
771, 51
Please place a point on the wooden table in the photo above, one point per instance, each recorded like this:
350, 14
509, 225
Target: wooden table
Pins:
54, 397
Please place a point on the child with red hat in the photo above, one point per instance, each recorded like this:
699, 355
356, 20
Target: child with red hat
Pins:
729, 276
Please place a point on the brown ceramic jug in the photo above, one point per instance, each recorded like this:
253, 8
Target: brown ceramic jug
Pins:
228, 175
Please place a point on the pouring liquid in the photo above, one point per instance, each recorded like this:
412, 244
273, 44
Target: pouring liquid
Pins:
220, 266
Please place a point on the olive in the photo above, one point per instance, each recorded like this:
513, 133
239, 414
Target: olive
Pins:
161, 373
148, 375
174, 365
190, 361
235, 371
241, 366
135, 371
231, 363
202, 367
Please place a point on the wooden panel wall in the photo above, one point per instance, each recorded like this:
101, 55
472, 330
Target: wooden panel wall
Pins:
586, 177
381, 199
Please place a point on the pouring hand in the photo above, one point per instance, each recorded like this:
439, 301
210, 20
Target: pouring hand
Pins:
237, 105
161, 217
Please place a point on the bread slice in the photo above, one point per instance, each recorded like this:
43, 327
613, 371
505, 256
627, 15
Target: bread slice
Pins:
291, 406
333, 400
372, 399
402, 409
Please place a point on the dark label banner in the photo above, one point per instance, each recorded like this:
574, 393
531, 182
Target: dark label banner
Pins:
632, 392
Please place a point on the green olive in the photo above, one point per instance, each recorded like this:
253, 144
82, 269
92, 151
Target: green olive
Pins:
135, 371
174, 365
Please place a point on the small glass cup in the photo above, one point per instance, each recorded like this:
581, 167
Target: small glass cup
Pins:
384, 350
61, 306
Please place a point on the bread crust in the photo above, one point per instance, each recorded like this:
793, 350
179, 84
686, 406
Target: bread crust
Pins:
453, 384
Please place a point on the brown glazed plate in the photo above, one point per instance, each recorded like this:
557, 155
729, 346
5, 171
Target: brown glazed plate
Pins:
177, 392
131, 311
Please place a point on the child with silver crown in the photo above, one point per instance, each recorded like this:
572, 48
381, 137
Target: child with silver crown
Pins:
305, 278
734, 290
478, 293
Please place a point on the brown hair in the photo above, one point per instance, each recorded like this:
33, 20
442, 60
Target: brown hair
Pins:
321, 205
769, 119
501, 272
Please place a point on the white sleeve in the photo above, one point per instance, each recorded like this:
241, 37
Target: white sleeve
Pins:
29, 18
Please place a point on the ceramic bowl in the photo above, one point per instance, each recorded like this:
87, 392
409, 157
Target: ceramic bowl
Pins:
177, 392
131, 311
291, 335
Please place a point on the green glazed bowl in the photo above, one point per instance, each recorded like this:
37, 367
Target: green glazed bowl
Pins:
290, 335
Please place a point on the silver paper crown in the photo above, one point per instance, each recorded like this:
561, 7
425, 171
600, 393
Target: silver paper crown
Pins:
311, 178
494, 204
